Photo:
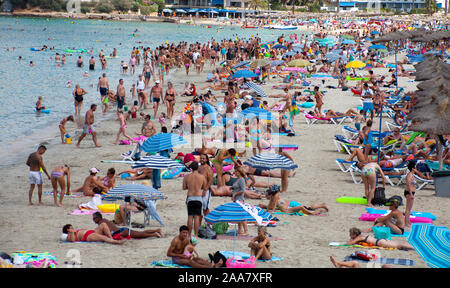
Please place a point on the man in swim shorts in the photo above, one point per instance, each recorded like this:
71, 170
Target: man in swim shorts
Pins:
103, 87
155, 96
177, 247
88, 127
195, 183
120, 95
36, 163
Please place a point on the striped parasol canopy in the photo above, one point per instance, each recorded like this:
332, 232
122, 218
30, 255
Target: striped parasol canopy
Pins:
262, 114
253, 86
156, 162
161, 142
235, 213
432, 243
134, 190
270, 161
242, 63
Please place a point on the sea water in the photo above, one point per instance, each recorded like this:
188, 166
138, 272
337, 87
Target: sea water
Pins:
21, 128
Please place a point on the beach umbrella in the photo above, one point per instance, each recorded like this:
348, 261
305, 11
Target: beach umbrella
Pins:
252, 112
276, 63
355, 64
290, 53
133, 190
259, 63
348, 42
156, 162
161, 142
279, 46
375, 32
377, 47
256, 88
296, 69
333, 57
269, 161
180, 11
244, 74
299, 63
167, 11
432, 243
242, 63
238, 212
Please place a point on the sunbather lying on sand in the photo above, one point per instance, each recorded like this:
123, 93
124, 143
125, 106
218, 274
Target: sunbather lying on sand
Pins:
100, 234
276, 202
357, 237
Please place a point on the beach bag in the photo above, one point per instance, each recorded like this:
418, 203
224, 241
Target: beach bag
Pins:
379, 197
217, 257
220, 228
206, 232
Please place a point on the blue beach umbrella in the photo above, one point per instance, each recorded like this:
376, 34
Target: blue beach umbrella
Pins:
375, 32
348, 41
256, 88
161, 142
235, 213
252, 112
377, 47
432, 243
279, 46
242, 63
156, 162
133, 190
269, 161
244, 74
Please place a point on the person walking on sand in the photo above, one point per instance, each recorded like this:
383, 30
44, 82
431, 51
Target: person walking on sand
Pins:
103, 87
155, 96
36, 163
369, 177
122, 128
195, 183
120, 95
57, 177
88, 127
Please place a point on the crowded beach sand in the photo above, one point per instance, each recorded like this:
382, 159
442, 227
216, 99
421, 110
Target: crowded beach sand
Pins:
301, 241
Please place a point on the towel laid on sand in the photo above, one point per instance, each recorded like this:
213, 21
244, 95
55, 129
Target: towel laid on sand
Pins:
242, 255
168, 263
395, 261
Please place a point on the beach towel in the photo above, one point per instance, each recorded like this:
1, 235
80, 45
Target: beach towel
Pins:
343, 244
72, 195
36, 259
229, 254
87, 212
168, 263
395, 261
230, 235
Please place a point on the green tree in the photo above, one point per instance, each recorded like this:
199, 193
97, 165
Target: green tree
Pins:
122, 5
104, 7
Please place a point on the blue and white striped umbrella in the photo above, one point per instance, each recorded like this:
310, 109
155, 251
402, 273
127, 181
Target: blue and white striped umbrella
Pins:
432, 243
161, 142
252, 112
234, 213
256, 88
134, 190
156, 162
242, 63
269, 161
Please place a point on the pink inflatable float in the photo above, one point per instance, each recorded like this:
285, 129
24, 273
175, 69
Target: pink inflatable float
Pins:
414, 219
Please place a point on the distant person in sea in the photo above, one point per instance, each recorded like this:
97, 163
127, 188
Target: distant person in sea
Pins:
36, 164
78, 94
39, 105
88, 127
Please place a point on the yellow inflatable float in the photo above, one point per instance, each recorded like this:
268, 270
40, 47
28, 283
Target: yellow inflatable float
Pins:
108, 208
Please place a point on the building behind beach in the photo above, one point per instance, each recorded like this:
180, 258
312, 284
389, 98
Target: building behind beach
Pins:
395, 5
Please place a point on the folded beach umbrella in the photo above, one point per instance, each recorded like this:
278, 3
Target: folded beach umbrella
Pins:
242, 63
156, 162
256, 88
269, 161
244, 74
252, 112
299, 63
134, 190
432, 243
355, 64
161, 142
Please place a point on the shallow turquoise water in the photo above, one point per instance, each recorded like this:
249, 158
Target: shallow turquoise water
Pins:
20, 84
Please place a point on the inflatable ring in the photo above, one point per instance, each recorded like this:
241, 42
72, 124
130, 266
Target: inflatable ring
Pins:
236, 263
108, 208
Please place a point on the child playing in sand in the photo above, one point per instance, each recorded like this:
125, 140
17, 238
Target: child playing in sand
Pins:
260, 245
189, 250
62, 127
162, 119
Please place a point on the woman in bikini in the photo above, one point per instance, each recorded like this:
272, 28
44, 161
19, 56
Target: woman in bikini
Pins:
57, 177
356, 237
369, 177
170, 99
319, 101
78, 95
276, 202
227, 189
100, 234
62, 128
410, 191
260, 245
255, 135
110, 179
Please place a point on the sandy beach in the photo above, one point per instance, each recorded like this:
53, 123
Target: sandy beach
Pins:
302, 241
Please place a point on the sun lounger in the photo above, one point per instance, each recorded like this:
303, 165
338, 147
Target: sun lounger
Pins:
313, 119
342, 164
